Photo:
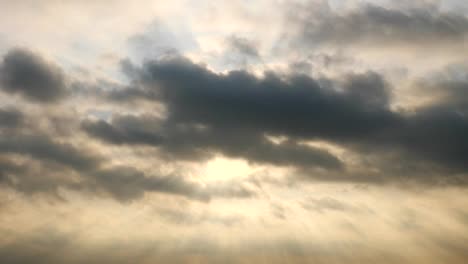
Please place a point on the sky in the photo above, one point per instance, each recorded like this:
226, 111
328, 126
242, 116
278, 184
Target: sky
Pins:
266, 131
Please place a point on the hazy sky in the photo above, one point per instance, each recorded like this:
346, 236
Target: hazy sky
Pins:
266, 131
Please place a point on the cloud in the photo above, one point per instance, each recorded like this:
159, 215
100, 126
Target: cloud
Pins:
26, 73
48, 246
10, 118
294, 106
127, 183
43, 148
172, 157
34, 162
160, 38
377, 26
325, 204
125, 130
192, 142
243, 46
446, 87
181, 217
234, 113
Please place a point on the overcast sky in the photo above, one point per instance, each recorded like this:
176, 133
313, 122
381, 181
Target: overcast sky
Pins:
267, 131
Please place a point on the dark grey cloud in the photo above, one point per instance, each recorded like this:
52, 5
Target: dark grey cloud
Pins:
26, 73
294, 106
10, 117
125, 131
45, 164
43, 148
127, 183
234, 114
447, 87
437, 133
376, 25
48, 164
237, 110
122, 183
7, 167
192, 142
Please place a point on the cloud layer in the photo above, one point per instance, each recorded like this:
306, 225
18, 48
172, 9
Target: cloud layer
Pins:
233, 132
